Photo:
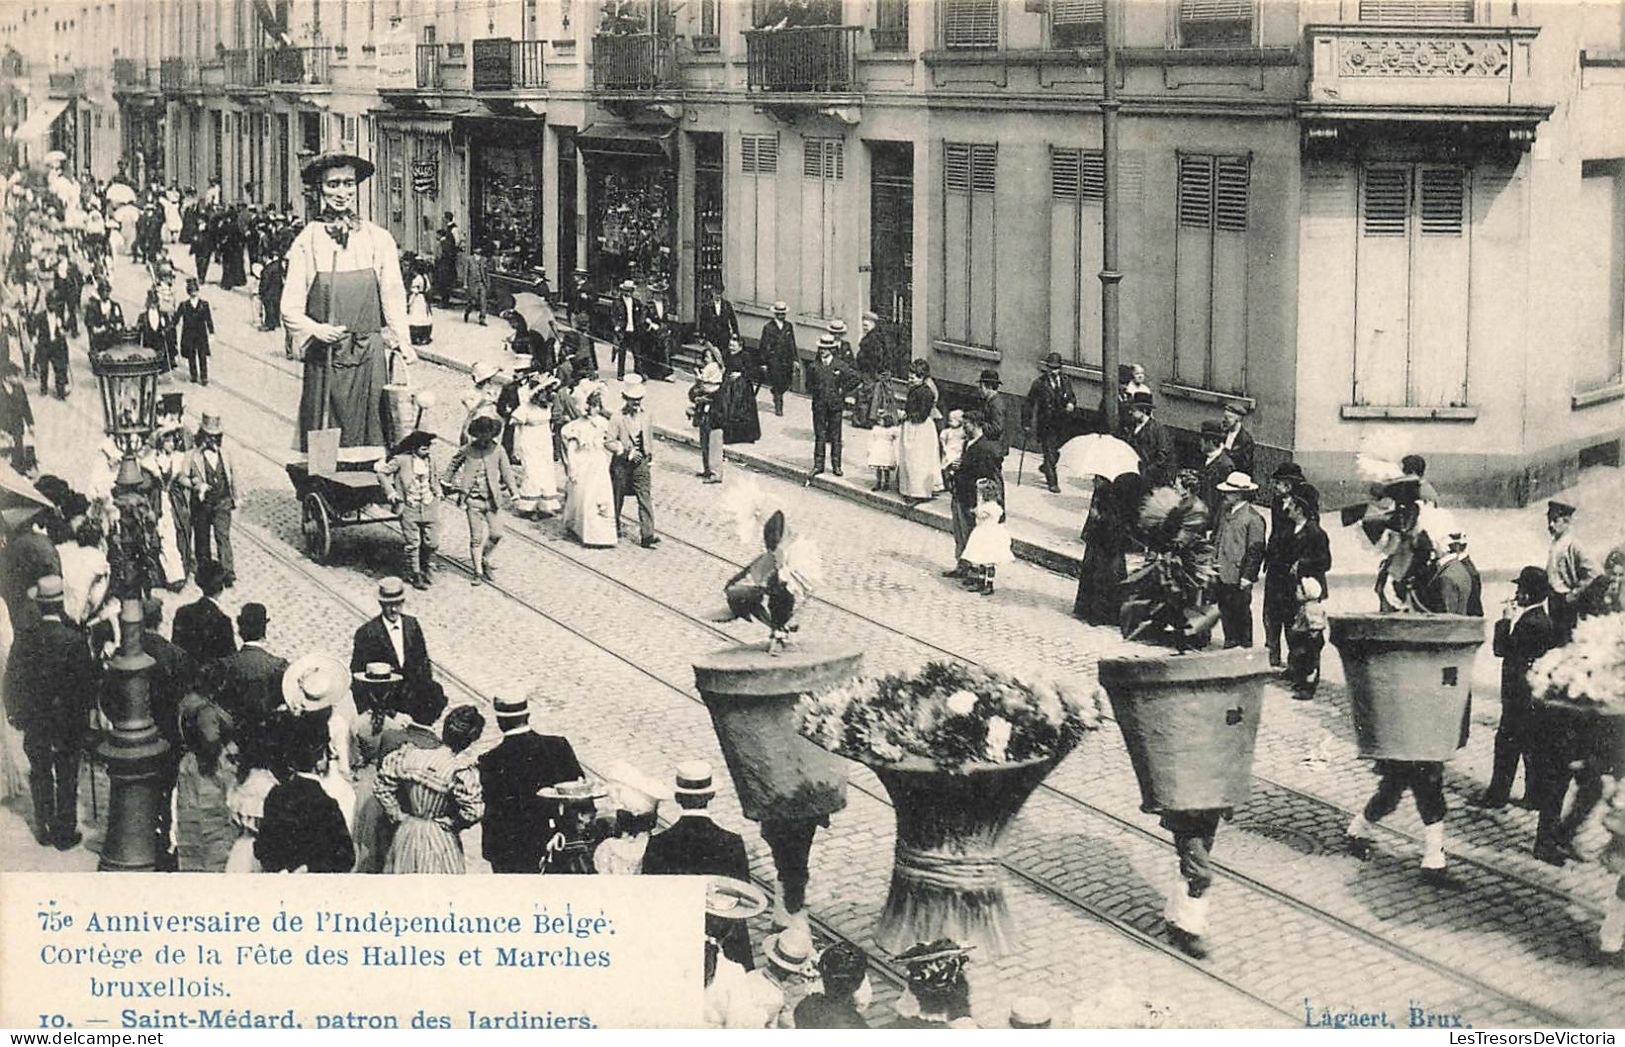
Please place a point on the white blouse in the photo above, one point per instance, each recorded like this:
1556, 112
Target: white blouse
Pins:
314, 251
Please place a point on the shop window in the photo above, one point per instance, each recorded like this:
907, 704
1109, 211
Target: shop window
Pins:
758, 221
969, 243
1413, 254
1414, 12
1077, 193
1599, 350
1077, 23
823, 166
509, 212
1215, 23
970, 24
1210, 272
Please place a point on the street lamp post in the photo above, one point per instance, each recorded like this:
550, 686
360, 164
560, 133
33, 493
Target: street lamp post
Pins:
1110, 275
127, 376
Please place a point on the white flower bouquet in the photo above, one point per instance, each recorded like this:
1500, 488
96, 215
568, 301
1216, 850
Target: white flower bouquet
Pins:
1589, 670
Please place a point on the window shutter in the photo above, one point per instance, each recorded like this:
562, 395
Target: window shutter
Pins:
1412, 12
812, 157
1443, 198
984, 168
834, 158
1092, 184
1230, 195
1077, 12
956, 167
747, 154
1063, 173
1386, 203
1195, 202
970, 23
767, 154
1215, 10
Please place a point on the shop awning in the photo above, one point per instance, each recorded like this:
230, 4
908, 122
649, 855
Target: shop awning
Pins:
433, 122
40, 122
627, 140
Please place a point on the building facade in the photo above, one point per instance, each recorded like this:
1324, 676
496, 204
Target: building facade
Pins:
1398, 222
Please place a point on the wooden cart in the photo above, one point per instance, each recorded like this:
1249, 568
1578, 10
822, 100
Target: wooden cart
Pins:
339, 499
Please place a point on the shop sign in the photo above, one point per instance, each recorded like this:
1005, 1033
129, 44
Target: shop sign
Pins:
397, 60
426, 176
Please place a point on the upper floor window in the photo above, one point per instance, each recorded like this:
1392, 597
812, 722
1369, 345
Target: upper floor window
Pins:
1417, 11
891, 25
1077, 23
1216, 23
970, 23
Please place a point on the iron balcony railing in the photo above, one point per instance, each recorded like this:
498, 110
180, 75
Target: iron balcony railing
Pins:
62, 85
429, 76
805, 58
308, 66
131, 75
243, 68
177, 74
632, 61
505, 64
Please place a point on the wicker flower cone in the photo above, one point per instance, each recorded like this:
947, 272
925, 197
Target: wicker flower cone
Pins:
1409, 677
947, 878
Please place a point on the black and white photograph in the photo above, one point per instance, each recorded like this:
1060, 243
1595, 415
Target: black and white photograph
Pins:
1087, 514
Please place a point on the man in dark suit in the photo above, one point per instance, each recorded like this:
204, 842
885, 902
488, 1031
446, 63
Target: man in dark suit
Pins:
516, 827
303, 827
1048, 414
202, 629
828, 380
717, 323
393, 638
1216, 468
1150, 441
172, 675
997, 425
1238, 442
50, 684
250, 680
627, 318
1523, 633
27, 556
694, 845
982, 460
777, 349
103, 317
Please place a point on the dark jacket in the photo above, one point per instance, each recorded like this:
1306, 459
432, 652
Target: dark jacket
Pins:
998, 426
24, 560
982, 459
1238, 544
1241, 451
1215, 473
619, 321
203, 631
303, 826
171, 677
101, 317
1156, 450
515, 828
196, 325
249, 684
50, 681
871, 358
1311, 553
717, 326
828, 384
372, 645
1518, 646
694, 845
777, 350
1046, 408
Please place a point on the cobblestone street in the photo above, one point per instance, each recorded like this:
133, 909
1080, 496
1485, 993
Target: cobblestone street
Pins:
601, 642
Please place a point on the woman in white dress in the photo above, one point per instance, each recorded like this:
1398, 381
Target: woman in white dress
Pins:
172, 216
589, 511
163, 463
919, 467
533, 443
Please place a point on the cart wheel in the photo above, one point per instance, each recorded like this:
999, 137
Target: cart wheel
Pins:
317, 523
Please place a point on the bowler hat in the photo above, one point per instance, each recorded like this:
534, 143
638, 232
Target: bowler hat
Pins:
1212, 427
1052, 362
317, 166
1287, 471
1533, 580
252, 616
990, 377
1142, 400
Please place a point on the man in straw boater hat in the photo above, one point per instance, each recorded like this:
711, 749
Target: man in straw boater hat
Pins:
627, 321
412, 487
694, 845
632, 438
771, 992
576, 830
777, 348
50, 685
1238, 547
828, 381
343, 300
518, 822
393, 638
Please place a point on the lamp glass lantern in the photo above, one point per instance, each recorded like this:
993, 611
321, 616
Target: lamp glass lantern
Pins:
127, 375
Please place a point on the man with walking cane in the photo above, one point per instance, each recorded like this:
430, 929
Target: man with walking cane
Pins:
1047, 414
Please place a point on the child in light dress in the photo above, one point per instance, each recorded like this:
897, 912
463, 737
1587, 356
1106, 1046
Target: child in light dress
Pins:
883, 450
989, 542
953, 446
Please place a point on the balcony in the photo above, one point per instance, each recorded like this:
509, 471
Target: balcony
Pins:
1409, 66
815, 58
178, 75
503, 64
244, 68
62, 85
131, 77
301, 66
430, 77
633, 62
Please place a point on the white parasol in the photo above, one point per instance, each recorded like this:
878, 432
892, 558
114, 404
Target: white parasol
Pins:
120, 193
1085, 457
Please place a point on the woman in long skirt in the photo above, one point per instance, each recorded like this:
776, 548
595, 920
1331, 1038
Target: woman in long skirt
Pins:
1099, 600
533, 442
919, 462
164, 464
204, 833
736, 399
589, 509
432, 795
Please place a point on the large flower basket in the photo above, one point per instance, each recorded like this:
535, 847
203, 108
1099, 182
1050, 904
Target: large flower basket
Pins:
752, 698
947, 876
1580, 692
1595, 732
1409, 677
1189, 722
